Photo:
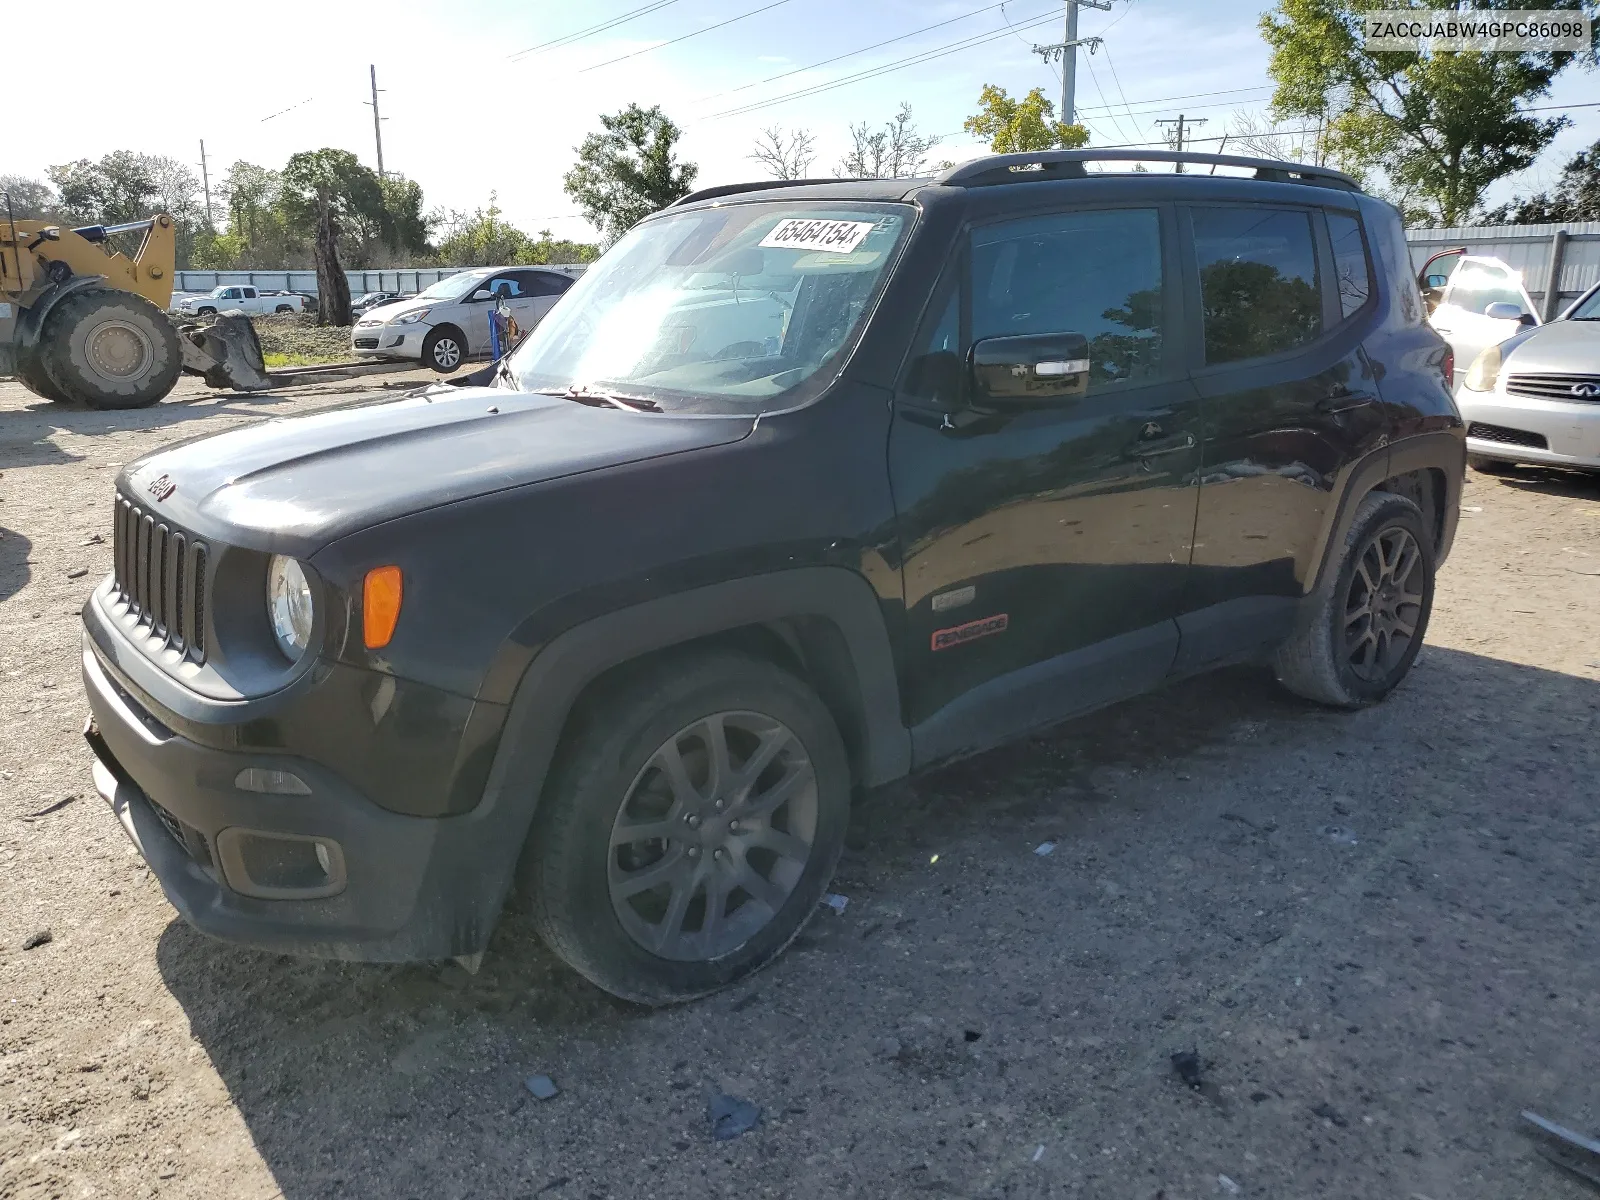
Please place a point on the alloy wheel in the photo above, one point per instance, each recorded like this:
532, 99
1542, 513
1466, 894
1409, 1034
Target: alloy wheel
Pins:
713, 836
447, 353
1384, 604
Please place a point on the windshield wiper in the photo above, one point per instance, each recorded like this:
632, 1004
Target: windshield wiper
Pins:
595, 398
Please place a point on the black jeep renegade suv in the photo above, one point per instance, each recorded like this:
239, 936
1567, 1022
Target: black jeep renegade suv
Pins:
799, 489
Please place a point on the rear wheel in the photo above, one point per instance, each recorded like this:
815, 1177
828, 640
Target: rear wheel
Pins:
283, 308
110, 349
689, 830
1490, 466
33, 376
1367, 622
443, 349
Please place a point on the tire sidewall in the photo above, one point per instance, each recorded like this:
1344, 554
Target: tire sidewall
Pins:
431, 342
66, 353
1392, 511
598, 788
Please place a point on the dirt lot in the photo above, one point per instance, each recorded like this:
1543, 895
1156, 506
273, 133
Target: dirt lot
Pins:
1377, 929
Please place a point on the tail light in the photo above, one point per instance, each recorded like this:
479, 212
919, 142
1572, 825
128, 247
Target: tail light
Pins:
1449, 369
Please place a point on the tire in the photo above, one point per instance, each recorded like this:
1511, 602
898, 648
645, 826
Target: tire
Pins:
283, 309
110, 350
580, 863
32, 375
1320, 661
1490, 466
205, 312
444, 349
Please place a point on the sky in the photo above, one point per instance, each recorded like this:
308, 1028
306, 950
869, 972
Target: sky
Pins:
477, 100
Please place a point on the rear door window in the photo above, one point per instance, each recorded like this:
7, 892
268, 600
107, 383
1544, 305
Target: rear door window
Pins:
1258, 281
1349, 261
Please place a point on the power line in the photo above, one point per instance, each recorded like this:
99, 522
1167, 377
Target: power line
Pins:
1112, 63
873, 72
1111, 111
601, 27
684, 38
852, 53
1266, 87
291, 108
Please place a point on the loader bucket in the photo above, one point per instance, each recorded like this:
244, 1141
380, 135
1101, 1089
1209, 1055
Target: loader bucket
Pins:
226, 353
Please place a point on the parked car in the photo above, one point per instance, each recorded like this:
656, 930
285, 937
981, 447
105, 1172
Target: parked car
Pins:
1535, 398
447, 323
371, 300
1477, 303
238, 298
797, 491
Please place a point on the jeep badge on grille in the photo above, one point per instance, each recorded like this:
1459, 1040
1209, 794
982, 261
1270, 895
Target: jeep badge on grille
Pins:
161, 487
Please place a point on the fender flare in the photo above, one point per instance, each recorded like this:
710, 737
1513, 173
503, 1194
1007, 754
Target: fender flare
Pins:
30, 320
492, 836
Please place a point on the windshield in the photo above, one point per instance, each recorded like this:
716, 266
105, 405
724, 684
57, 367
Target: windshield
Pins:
453, 287
741, 303
1589, 310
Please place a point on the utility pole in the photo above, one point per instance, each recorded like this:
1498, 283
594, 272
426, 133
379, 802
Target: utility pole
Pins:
1067, 51
1180, 126
377, 121
205, 181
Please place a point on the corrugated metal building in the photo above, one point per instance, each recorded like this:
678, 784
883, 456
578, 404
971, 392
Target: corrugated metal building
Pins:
1573, 246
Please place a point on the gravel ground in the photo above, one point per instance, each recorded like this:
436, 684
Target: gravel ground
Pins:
1377, 930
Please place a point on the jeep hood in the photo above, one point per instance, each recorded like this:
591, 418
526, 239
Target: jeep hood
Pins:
293, 485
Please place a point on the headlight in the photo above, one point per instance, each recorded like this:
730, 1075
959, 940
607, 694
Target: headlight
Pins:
289, 606
410, 318
1483, 372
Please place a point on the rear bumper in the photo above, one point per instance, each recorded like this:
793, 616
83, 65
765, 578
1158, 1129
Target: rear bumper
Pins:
386, 887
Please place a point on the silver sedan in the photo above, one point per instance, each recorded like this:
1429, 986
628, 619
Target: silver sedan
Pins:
1535, 398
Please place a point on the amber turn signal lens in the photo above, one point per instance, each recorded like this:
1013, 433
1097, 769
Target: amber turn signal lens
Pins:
380, 606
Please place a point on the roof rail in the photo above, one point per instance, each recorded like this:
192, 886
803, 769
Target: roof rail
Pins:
761, 185
1069, 164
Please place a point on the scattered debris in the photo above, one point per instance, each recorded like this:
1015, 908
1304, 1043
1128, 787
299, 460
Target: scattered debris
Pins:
731, 1116
542, 1087
36, 939
50, 808
1188, 1066
94, 539
1571, 1151
1038, 1153
836, 902
1345, 837
1330, 1114
1472, 508
1044, 848
79, 573
1227, 1185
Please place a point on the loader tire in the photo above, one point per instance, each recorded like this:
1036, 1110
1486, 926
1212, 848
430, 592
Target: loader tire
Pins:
32, 375
110, 349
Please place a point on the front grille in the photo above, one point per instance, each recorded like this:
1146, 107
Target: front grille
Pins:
160, 574
368, 343
1507, 437
1555, 387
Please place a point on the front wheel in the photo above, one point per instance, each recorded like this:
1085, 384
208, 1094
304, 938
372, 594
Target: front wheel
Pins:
443, 350
690, 828
205, 312
110, 349
1366, 624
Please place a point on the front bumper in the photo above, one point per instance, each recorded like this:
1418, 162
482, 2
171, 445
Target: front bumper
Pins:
1570, 431
389, 341
385, 888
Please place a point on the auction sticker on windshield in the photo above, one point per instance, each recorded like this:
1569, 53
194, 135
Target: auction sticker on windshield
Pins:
799, 233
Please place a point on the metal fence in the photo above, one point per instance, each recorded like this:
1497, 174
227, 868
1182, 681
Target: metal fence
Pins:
1569, 253
408, 280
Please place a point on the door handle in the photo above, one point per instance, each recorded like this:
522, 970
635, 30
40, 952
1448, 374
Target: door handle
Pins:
1343, 402
1142, 450
1442, 329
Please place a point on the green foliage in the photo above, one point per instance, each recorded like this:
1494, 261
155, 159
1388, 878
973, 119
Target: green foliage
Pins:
628, 171
31, 199
354, 198
486, 239
1440, 127
127, 186
1014, 126
1576, 196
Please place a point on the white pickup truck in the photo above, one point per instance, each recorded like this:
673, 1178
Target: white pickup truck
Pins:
238, 298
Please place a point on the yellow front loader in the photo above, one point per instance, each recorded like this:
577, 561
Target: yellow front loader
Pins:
82, 323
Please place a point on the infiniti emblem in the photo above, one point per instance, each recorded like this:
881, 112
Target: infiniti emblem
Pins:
1586, 391
161, 487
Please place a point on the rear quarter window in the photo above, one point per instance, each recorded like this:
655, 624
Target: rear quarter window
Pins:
1354, 278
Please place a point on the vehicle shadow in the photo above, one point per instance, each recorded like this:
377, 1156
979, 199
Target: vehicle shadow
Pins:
402, 1081
14, 572
1553, 481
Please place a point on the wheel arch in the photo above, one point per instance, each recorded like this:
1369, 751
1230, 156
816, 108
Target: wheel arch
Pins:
452, 328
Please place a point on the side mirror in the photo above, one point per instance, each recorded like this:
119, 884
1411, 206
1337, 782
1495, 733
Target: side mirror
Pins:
1436, 281
1527, 320
1504, 311
481, 295
1039, 368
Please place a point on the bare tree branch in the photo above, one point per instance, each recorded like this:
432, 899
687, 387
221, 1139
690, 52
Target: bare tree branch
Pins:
785, 156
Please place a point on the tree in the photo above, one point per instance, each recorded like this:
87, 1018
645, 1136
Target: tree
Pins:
1440, 126
551, 249
31, 199
480, 240
628, 171
1576, 196
120, 187
330, 196
895, 151
409, 228
1262, 137
785, 156
1014, 126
